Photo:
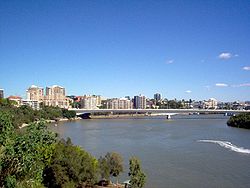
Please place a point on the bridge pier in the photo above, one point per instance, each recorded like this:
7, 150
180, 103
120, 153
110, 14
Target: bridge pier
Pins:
168, 116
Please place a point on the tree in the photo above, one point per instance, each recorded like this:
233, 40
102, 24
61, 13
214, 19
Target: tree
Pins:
241, 120
137, 176
70, 166
68, 114
115, 163
24, 154
104, 168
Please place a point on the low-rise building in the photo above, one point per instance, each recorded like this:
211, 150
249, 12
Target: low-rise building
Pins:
32, 103
16, 99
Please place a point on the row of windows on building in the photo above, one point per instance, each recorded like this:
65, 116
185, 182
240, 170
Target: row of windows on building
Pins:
54, 96
95, 101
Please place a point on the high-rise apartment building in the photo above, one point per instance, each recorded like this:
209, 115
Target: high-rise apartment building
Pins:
157, 96
1, 93
89, 102
211, 103
35, 93
98, 100
122, 103
139, 102
113, 103
55, 96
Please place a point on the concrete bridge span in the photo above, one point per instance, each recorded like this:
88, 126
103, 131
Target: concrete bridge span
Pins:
168, 112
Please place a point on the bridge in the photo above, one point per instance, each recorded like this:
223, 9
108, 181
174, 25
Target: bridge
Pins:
168, 112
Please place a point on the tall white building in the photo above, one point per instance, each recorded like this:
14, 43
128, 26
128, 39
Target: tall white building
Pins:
211, 103
98, 100
35, 93
55, 96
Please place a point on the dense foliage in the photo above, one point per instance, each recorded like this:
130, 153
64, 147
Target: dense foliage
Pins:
25, 114
70, 166
241, 120
24, 154
104, 168
34, 157
110, 165
137, 176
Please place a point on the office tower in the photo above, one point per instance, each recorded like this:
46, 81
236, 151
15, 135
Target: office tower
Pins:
157, 96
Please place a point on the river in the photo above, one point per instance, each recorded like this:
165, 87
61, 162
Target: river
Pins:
185, 152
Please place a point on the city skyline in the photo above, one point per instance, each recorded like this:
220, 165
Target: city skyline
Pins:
180, 49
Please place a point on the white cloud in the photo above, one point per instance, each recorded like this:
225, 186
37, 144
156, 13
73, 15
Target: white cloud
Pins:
188, 91
221, 85
236, 55
242, 85
225, 55
246, 68
170, 61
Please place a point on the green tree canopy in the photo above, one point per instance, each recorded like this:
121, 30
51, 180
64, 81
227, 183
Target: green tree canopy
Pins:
104, 168
137, 176
115, 162
71, 166
241, 120
24, 154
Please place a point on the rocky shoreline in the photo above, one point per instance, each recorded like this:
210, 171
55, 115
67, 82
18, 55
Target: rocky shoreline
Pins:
53, 121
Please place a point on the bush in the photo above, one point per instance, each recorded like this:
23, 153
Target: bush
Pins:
24, 154
241, 120
70, 165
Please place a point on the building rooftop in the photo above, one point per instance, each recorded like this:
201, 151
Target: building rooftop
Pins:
14, 97
34, 86
212, 99
57, 86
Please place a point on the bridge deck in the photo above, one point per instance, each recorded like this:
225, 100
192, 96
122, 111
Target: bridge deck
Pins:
158, 111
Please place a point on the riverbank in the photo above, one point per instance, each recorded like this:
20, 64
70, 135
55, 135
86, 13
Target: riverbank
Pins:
53, 121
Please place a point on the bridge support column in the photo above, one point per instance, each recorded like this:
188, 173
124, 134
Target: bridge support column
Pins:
168, 116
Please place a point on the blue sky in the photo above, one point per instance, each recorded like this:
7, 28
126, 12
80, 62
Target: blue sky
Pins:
182, 49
